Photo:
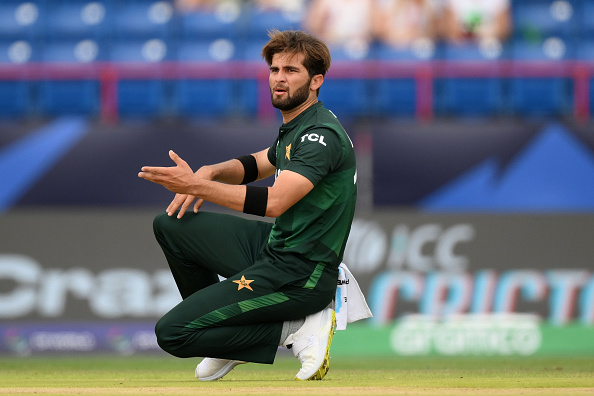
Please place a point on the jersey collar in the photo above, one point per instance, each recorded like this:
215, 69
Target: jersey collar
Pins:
289, 125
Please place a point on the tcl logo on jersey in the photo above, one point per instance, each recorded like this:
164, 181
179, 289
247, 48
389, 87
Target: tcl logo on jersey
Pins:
313, 137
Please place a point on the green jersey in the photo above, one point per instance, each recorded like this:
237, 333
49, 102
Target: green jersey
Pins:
315, 145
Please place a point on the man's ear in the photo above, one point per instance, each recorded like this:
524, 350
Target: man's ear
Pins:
316, 82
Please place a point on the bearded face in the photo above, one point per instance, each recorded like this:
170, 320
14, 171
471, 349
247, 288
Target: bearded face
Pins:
285, 98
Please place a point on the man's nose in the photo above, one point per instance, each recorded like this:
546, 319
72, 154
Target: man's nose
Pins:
280, 76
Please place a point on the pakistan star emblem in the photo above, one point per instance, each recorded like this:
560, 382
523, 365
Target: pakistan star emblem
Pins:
243, 283
288, 152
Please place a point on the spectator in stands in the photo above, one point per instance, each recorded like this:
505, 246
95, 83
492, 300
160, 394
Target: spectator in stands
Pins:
190, 5
476, 20
281, 5
403, 22
345, 23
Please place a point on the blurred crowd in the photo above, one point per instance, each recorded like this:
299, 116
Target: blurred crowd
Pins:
398, 23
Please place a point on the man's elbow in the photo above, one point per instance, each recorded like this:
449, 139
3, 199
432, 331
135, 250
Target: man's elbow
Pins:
275, 207
273, 211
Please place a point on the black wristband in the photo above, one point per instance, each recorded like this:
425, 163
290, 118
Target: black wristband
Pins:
250, 168
256, 200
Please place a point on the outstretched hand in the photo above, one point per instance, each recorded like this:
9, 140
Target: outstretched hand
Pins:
178, 179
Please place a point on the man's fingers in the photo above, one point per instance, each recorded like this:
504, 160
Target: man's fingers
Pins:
153, 177
198, 205
177, 159
185, 206
175, 203
146, 171
181, 202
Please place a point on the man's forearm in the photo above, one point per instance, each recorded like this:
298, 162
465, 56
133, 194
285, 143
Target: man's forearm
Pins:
230, 172
223, 194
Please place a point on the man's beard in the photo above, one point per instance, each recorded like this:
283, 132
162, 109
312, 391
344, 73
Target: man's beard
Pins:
291, 102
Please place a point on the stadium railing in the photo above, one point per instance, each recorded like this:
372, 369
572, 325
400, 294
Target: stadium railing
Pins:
424, 74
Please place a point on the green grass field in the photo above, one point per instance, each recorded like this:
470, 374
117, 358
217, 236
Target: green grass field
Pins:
163, 375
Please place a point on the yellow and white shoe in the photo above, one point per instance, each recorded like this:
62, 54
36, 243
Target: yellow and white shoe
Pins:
311, 345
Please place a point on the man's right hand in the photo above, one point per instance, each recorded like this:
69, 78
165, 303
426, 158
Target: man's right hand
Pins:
183, 202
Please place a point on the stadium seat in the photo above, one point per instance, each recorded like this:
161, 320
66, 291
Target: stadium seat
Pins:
585, 49
211, 24
541, 95
59, 96
79, 19
586, 19
14, 52
251, 50
397, 96
143, 19
478, 95
260, 21
393, 97
140, 50
142, 97
72, 50
22, 19
16, 99
534, 19
421, 50
347, 97
206, 97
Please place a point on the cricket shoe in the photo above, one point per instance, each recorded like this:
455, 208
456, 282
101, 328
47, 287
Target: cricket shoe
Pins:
211, 369
311, 345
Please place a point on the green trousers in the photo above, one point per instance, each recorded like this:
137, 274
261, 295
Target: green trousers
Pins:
241, 317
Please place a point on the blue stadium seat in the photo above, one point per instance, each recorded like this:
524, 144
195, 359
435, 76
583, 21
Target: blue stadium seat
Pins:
208, 97
397, 96
143, 19
260, 21
541, 95
481, 95
66, 97
544, 18
79, 19
207, 50
585, 49
22, 19
59, 96
251, 50
210, 25
393, 97
140, 50
586, 18
347, 97
143, 97
16, 98
73, 50
14, 52
422, 50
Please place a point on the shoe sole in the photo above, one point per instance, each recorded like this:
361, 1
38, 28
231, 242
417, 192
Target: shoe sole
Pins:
226, 369
323, 370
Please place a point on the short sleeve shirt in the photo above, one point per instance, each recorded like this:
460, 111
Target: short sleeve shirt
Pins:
316, 146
